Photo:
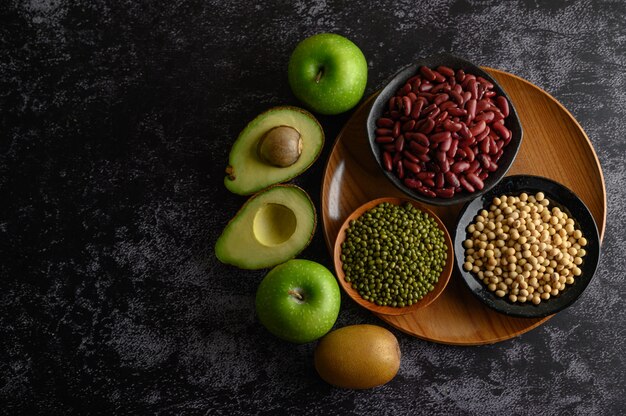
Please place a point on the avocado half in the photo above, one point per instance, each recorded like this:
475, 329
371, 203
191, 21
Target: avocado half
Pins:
271, 227
248, 172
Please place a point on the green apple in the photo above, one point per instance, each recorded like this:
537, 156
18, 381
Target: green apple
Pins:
298, 301
328, 73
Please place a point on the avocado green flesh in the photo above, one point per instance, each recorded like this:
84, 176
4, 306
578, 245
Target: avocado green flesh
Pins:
248, 173
272, 227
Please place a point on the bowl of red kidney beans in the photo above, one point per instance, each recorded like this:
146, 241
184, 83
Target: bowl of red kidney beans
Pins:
443, 130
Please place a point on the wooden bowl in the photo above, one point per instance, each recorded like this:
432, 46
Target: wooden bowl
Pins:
398, 80
390, 310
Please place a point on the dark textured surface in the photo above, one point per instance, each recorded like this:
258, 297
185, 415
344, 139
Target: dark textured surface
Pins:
116, 119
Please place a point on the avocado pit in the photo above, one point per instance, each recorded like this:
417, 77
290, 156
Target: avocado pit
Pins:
280, 146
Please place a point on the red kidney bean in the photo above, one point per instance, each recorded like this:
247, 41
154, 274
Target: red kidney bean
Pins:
384, 122
475, 180
396, 129
441, 156
425, 175
387, 161
408, 125
487, 84
445, 71
473, 88
389, 147
460, 153
429, 182
434, 113
497, 156
481, 136
418, 148
444, 166
410, 156
457, 112
451, 126
428, 109
383, 132
384, 139
493, 146
452, 179
457, 97
445, 192
467, 96
439, 77
453, 148
503, 105
400, 169
484, 160
466, 185
471, 110
424, 158
448, 104
428, 126
412, 96
441, 118
474, 166
465, 133
399, 143
460, 75
502, 131
470, 154
460, 166
427, 192
411, 167
425, 86
440, 137
486, 116
406, 105
485, 145
444, 86
417, 107
441, 98
439, 180
478, 128
427, 73
444, 146
412, 183
421, 139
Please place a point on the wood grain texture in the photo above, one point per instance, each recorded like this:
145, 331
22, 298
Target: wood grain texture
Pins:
554, 146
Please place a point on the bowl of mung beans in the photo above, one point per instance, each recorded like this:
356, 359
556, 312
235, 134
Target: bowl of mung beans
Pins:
393, 256
527, 248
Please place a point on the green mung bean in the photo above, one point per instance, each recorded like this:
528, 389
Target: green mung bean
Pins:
393, 254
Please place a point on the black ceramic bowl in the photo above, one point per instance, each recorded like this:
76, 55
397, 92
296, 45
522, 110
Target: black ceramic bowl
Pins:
559, 196
379, 106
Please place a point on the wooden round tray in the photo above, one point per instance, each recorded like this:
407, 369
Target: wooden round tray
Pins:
554, 146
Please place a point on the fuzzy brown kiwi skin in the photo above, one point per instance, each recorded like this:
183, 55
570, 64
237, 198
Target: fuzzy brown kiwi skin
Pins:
280, 185
230, 170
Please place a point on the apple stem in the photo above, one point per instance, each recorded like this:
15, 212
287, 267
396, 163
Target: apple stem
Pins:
319, 76
295, 294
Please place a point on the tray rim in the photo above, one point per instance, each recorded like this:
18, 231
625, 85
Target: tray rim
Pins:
601, 225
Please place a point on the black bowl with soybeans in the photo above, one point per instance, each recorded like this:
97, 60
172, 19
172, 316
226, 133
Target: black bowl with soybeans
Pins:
393, 256
527, 248
444, 131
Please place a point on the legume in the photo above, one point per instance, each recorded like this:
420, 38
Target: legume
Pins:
522, 249
393, 254
444, 122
